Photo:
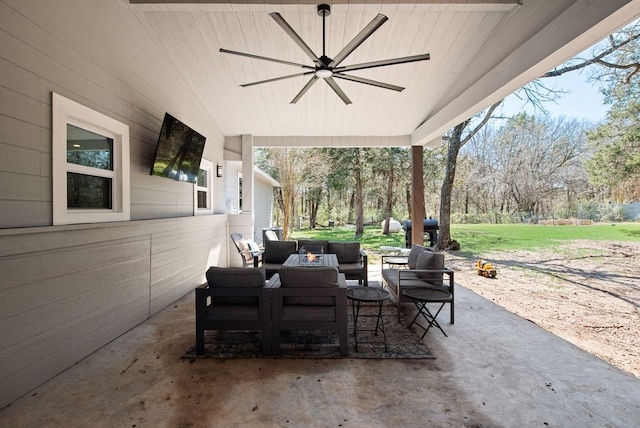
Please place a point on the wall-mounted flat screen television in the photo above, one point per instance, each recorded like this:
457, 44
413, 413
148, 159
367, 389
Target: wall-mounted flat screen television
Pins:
179, 151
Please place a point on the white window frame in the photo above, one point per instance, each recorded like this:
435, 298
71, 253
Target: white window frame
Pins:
66, 111
208, 189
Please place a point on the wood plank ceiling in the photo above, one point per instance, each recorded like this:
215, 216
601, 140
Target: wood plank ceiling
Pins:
466, 40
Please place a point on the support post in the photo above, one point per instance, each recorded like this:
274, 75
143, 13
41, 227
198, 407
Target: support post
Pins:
417, 195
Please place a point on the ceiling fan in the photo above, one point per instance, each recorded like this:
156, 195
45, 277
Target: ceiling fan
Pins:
326, 68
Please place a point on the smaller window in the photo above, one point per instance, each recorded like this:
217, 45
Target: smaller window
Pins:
203, 189
90, 155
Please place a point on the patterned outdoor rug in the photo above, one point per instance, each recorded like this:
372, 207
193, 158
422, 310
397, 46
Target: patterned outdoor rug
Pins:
402, 343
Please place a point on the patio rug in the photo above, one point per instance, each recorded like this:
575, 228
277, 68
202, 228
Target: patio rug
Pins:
402, 343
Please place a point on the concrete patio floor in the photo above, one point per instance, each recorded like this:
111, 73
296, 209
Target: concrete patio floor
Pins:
494, 370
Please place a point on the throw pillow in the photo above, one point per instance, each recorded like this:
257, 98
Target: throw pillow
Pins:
429, 260
413, 255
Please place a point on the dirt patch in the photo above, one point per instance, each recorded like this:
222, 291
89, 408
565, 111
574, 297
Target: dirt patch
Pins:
587, 292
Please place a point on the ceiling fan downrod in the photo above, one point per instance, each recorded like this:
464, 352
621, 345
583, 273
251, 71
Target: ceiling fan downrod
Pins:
323, 72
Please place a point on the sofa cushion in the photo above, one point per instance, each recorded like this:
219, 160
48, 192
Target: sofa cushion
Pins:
314, 246
430, 260
308, 277
351, 268
346, 252
413, 255
235, 277
278, 251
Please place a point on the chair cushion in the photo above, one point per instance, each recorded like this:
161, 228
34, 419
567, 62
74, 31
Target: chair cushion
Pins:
235, 277
314, 246
351, 268
346, 252
308, 277
278, 251
429, 260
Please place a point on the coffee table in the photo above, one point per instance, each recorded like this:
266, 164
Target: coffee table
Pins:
303, 260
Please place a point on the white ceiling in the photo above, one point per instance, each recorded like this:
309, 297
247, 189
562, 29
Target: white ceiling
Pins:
481, 50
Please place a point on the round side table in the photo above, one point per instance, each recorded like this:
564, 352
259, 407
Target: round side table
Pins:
359, 295
420, 297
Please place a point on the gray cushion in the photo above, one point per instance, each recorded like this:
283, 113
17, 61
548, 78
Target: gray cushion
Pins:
351, 268
429, 260
315, 246
235, 277
346, 252
278, 251
309, 277
300, 276
413, 255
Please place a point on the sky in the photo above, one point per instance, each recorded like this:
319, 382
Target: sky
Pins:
582, 100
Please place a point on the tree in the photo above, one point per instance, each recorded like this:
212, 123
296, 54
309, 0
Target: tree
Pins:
618, 56
615, 65
457, 138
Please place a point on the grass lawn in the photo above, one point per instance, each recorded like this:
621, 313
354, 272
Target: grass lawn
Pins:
481, 238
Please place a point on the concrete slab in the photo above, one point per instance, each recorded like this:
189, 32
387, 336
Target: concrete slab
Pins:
495, 369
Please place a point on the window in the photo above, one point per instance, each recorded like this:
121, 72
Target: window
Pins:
203, 189
90, 155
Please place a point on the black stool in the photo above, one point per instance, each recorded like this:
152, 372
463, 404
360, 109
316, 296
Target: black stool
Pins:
420, 298
359, 295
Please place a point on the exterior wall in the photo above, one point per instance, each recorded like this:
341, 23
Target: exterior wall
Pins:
65, 291
68, 290
263, 203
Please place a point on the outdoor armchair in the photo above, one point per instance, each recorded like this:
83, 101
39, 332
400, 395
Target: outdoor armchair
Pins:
309, 298
233, 299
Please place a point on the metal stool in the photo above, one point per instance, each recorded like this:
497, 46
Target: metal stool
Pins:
358, 295
420, 298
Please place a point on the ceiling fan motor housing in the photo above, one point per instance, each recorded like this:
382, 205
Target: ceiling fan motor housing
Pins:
324, 10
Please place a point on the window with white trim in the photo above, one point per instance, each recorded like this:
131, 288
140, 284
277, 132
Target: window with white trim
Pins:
90, 156
203, 189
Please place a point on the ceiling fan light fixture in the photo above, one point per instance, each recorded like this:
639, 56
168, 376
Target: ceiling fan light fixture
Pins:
324, 73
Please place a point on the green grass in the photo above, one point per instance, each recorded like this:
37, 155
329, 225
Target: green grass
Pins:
484, 238
477, 238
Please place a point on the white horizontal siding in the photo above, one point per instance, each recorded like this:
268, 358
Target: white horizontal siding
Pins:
68, 290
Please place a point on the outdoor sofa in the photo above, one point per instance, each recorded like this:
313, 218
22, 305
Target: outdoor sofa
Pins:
352, 260
425, 268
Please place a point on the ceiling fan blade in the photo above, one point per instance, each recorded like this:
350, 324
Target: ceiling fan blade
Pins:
383, 62
264, 58
275, 79
368, 82
332, 83
296, 38
309, 84
357, 40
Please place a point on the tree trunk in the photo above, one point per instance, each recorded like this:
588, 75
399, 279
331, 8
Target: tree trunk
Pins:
455, 142
389, 204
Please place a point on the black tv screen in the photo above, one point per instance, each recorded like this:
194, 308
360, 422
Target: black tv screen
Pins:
179, 151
